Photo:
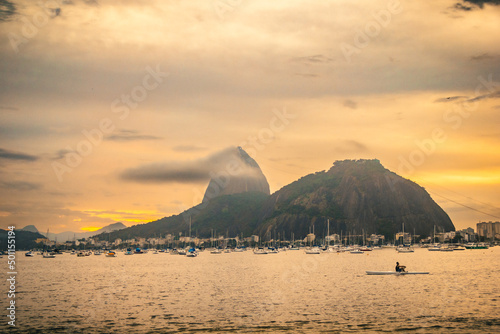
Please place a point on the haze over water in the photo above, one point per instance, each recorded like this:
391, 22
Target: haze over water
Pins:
241, 292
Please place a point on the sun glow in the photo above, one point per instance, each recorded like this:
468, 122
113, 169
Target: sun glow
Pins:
90, 228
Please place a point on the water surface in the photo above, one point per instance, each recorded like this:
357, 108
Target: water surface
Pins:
288, 292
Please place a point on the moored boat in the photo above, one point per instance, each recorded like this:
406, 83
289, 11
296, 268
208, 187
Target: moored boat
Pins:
476, 246
110, 254
405, 249
259, 251
313, 250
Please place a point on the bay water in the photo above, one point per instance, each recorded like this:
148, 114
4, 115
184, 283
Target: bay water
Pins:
240, 292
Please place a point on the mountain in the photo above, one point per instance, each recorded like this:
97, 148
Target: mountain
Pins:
242, 174
69, 236
354, 195
25, 240
29, 228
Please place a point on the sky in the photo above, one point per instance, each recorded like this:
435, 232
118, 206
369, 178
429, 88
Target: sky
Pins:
95, 91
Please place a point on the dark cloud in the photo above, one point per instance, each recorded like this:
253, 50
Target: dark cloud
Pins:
313, 60
9, 108
350, 146
130, 135
460, 6
193, 171
350, 104
61, 154
484, 56
493, 95
468, 5
7, 10
451, 99
11, 155
21, 185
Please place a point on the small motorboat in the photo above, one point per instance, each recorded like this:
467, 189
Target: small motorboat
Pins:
192, 253
313, 250
111, 254
29, 254
259, 251
47, 255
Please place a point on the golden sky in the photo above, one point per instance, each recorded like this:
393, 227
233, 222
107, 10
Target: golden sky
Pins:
93, 89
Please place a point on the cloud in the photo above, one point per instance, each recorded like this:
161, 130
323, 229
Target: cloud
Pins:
469, 5
130, 135
194, 171
484, 56
188, 148
9, 108
492, 95
313, 60
460, 6
351, 146
350, 104
7, 10
450, 99
21, 185
11, 155
61, 154
307, 75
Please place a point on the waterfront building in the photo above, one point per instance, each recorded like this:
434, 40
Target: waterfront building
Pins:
489, 230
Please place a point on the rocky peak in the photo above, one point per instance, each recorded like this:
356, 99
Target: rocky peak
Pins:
240, 174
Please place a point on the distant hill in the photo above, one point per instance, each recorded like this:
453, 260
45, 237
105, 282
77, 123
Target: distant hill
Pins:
355, 195
69, 236
29, 228
25, 240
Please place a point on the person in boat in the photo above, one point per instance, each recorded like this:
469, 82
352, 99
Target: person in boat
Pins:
400, 268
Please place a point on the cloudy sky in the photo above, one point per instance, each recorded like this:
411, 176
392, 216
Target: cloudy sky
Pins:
95, 91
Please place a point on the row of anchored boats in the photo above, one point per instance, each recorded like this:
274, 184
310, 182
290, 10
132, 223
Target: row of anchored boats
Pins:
193, 252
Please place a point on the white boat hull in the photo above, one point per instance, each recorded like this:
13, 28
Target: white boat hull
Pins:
396, 273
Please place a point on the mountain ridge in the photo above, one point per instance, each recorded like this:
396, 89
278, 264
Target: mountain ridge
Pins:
69, 236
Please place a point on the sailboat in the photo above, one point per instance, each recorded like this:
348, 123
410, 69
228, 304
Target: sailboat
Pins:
46, 254
403, 248
435, 247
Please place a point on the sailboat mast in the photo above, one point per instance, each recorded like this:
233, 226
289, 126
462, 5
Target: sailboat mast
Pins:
328, 231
